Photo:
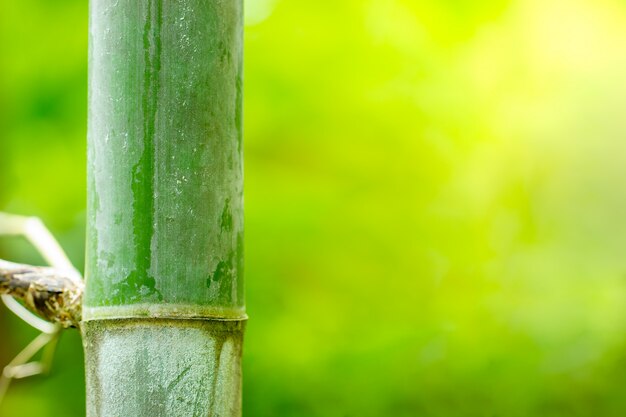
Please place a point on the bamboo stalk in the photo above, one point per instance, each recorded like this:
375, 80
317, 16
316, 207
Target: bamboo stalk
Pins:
163, 312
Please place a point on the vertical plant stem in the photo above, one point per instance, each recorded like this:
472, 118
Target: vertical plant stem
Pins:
163, 312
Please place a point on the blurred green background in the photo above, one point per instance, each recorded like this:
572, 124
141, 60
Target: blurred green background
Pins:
435, 203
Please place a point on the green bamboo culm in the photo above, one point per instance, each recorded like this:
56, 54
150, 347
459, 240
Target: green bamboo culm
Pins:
164, 310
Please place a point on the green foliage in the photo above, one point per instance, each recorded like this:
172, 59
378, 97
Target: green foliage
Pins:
434, 210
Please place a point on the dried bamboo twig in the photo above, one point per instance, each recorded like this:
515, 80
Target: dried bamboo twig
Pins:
48, 292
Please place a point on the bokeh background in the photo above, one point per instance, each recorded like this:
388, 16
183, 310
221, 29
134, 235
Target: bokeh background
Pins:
435, 203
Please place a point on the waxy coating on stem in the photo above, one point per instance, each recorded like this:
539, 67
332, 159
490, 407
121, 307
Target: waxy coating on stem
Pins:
178, 367
47, 292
